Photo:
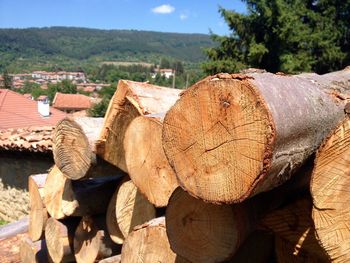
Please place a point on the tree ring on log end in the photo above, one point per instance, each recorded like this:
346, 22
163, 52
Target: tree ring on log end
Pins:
329, 188
218, 138
71, 149
147, 164
202, 232
54, 241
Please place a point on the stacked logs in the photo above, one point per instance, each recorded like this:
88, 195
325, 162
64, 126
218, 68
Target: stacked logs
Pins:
238, 168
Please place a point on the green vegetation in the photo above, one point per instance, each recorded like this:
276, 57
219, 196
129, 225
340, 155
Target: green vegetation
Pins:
3, 222
69, 48
280, 35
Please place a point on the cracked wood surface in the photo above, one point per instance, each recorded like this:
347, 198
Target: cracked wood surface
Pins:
331, 197
146, 162
231, 136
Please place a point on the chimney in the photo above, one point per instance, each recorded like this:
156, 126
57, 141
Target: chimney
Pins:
44, 107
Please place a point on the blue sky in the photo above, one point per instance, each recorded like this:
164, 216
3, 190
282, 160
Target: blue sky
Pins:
191, 16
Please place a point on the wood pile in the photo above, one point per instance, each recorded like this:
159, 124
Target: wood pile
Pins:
238, 168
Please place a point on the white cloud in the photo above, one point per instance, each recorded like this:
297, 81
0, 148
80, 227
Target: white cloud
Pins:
183, 16
163, 9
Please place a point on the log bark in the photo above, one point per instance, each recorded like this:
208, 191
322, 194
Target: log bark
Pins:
34, 252
37, 214
127, 209
148, 243
146, 162
59, 236
92, 241
15, 228
232, 136
114, 259
205, 232
74, 148
130, 100
294, 224
64, 197
329, 184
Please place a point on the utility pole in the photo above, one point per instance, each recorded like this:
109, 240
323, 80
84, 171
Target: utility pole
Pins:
174, 79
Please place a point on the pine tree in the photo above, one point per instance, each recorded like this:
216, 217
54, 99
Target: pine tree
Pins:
284, 35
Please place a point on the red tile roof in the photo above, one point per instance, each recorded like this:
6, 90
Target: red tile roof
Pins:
71, 101
36, 139
16, 111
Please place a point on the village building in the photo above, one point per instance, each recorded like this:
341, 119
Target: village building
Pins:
71, 103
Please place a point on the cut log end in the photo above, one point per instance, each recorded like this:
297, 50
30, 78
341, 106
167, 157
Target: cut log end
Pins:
225, 120
132, 208
71, 149
111, 220
58, 240
38, 213
147, 164
202, 232
149, 243
329, 189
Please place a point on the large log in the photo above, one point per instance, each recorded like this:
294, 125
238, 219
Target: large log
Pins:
293, 223
74, 148
146, 162
148, 243
127, 209
205, 232
34, 252
130, 100
232, 136
92, 241
64, 197
37, 213
59, 236
331, 197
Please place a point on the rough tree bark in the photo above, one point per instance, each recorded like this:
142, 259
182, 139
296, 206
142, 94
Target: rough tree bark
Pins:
74, 148
130, 100
92, 241
293, 223
225, 226
146, 162
37, 214
127, 209
149, 243
329, 189
59, 236
64, 197
230, 137
33, 252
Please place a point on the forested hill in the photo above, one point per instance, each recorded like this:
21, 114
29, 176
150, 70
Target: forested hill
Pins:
69, 46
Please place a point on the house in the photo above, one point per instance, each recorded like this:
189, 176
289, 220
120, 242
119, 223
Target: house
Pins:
165, 72
59, 76
91, 87
71, 103
17, 111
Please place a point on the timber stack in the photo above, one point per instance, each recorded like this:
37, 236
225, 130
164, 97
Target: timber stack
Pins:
247, 167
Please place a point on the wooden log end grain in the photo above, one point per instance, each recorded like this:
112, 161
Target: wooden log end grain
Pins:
149, 243
203, 232
216, 123
147, 164
38, 214
71, 149
59, 239
329, 188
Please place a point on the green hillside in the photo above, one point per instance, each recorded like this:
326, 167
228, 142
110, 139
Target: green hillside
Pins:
72, 48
